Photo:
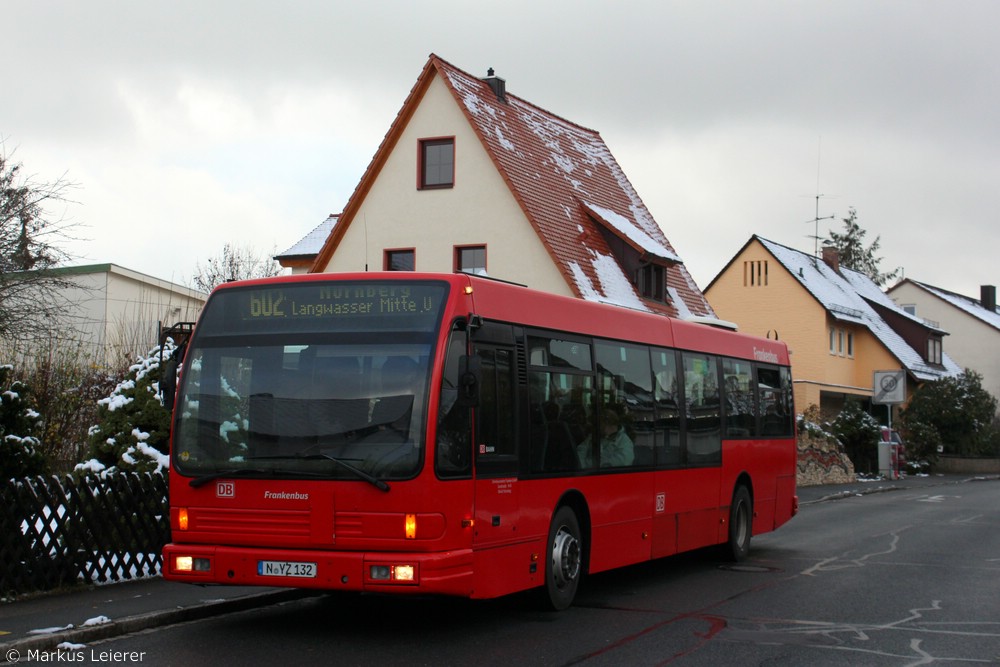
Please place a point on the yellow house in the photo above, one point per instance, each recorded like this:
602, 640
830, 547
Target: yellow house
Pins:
473, 178
841, 328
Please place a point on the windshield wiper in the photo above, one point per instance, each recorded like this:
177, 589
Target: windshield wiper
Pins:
243, 472
361, 474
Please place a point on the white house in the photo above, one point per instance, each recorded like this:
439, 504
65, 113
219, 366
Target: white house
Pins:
973, 324
111, 314
472, 178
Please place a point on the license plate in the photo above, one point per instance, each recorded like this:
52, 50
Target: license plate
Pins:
285, 568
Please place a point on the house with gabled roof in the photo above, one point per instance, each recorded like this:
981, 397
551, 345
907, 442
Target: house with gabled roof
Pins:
302, 254
473, 178
973, 324
839, 325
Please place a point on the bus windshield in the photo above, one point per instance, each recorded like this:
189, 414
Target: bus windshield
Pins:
311, 380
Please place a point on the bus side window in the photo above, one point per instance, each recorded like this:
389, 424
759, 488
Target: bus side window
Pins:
667, 396
704, 418
453, 456
626, 397
739, 399
495, 414
561, 419
775, 401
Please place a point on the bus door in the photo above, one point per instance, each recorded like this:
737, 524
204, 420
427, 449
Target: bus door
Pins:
495, 428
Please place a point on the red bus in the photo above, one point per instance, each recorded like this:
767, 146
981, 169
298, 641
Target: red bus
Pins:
452, 434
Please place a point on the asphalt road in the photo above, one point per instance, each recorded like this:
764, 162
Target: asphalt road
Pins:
904, 578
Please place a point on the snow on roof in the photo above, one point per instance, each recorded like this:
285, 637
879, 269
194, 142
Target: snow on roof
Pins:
967, 304
630, 231
613, 286
564, 176
844, 296
311, 243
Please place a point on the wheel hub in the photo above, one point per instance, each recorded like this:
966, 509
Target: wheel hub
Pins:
565, 558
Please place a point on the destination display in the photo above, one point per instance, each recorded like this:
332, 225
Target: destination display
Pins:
341, 301
327, 306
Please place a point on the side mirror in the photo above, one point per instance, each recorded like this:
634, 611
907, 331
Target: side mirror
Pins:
168, 376
469, 371
168, 383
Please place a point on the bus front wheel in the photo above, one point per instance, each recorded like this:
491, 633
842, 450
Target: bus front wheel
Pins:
740, 525
564, 559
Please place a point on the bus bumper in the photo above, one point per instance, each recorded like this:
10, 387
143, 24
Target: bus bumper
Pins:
445, 573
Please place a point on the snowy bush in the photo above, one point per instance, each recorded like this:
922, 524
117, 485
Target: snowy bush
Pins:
133, 429
20, 455
859, 432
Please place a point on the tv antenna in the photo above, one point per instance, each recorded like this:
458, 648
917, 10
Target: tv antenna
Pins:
816, 218
815, 221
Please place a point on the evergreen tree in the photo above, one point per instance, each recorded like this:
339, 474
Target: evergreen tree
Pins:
133, 429
853, 253
20, 455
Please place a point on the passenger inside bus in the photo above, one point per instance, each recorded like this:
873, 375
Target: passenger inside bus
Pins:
617, 448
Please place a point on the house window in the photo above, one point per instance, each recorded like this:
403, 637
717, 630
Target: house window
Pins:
755, 273
471, 259
437, 163
651, 281
833, 341
934, 351
850, 344
400, 260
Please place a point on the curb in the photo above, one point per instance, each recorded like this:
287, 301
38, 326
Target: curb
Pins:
15, 650
864, 491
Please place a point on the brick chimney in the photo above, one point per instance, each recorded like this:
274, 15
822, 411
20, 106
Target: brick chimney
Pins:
988, 297
831, 257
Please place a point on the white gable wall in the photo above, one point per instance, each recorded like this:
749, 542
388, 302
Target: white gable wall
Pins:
478, 210
971, 343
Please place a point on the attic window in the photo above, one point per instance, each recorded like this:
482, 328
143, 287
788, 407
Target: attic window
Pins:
436, 164
651, 280
755, 273
934, 351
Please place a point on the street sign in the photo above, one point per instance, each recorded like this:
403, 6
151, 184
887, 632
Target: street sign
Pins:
889, 387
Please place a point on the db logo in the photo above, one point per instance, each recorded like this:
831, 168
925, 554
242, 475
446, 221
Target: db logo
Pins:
225, 489
661, 502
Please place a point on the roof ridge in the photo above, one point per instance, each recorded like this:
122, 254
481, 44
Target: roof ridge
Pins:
518, 98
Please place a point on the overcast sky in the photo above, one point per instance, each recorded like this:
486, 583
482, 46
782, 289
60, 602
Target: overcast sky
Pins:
187, 125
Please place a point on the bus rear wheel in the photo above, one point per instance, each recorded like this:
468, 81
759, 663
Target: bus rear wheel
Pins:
563, 562
740, 525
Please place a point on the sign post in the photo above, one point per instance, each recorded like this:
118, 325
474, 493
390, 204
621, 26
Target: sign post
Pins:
889, 389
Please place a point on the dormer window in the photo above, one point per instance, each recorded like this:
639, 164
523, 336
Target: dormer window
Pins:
934, 351
436, 164
652, 281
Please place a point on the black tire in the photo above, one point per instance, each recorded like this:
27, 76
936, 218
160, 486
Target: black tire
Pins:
740, 525
563, 560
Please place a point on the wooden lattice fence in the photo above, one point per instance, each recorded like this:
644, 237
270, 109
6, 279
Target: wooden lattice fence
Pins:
57, 531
